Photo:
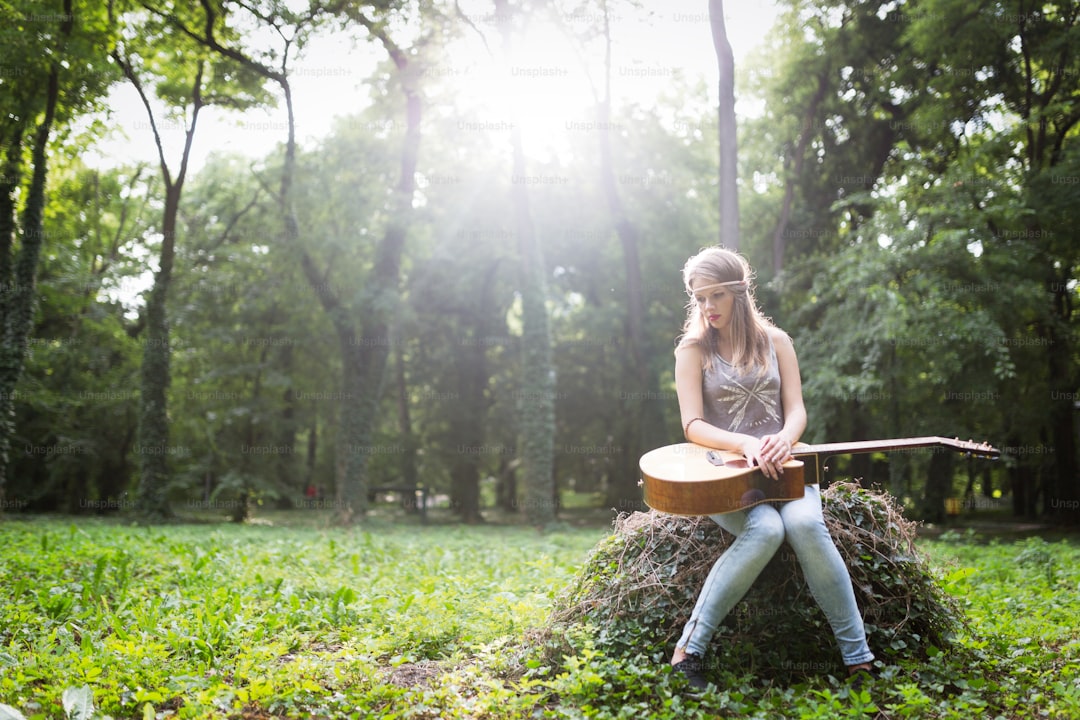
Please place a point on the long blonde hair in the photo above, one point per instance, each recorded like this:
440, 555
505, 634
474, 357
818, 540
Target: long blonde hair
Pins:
749, 329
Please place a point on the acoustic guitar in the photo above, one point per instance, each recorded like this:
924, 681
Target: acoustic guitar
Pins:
689, 479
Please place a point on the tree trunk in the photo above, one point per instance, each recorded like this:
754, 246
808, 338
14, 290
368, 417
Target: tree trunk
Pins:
10, 179
408, 470
312, 456
641, 407
506, 485
938, 487
288, 467
17, 294
151, 499
1063, 495
472, 378
729, 193
536, 400
12, 351
152, 446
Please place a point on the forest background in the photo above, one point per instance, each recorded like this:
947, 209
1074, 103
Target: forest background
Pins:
470, 281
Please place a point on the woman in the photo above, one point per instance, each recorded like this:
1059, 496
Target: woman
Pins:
739, 389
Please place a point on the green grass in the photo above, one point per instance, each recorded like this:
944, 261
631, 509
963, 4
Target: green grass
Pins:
403, 621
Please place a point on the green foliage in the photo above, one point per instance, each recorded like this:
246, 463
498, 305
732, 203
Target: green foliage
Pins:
75, 407
104, 620
206, 620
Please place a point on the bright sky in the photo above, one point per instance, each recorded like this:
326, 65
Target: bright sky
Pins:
651, 46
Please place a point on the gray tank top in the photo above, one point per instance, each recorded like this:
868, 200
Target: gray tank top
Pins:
743, 403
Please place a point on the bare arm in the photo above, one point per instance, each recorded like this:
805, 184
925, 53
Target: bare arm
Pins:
776, 448
688, 384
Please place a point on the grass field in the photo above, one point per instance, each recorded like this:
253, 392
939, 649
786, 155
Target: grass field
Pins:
102, 619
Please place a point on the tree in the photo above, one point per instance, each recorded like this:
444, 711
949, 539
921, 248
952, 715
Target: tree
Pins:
729, 189
1020, 61
932, 160
537, 394
76, 407
640, 424
55, 75
365, 350
186, 78
368, 351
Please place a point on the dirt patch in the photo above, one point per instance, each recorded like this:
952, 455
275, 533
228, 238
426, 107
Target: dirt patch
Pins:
409, 675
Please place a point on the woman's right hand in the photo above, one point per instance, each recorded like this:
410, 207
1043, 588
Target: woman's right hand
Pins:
751, 448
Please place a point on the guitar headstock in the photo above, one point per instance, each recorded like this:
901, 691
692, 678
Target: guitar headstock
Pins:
971, 447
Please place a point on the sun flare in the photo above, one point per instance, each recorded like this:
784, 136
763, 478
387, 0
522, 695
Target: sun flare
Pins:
540, 85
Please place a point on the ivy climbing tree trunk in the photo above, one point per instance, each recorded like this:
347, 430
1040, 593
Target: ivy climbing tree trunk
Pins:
17, 285
642, 413
472, 404
370, 359
536, 397
152, 447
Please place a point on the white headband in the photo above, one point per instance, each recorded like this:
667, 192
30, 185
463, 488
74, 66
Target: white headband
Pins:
705, 288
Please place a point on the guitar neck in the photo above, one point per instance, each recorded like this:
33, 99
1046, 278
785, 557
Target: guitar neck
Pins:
867, 446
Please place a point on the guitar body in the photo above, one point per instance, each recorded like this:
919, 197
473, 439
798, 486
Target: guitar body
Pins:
688, 479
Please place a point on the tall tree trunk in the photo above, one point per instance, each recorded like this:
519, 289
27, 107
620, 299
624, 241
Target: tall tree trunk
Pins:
1063, 496
17, 294
367, 358
642, 410
537, 389
407, 468
939, 477
287, 433
151, 498
241, 510
537, 395
10, 179
729, 192
472, 380
310, 461
12, 351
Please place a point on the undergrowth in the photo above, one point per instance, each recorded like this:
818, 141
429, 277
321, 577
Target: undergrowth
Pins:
104, 620
639, 586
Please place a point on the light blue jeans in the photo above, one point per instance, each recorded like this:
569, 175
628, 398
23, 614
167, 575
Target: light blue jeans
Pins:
758, 533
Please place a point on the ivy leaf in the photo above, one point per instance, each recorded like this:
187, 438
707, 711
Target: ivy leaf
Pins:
78, 703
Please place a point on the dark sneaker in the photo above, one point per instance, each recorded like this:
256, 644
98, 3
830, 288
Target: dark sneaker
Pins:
862, 678
693, 669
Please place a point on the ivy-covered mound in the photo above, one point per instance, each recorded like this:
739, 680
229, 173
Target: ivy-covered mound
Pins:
638, 587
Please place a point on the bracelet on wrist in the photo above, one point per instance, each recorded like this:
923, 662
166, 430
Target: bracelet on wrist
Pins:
691, 421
